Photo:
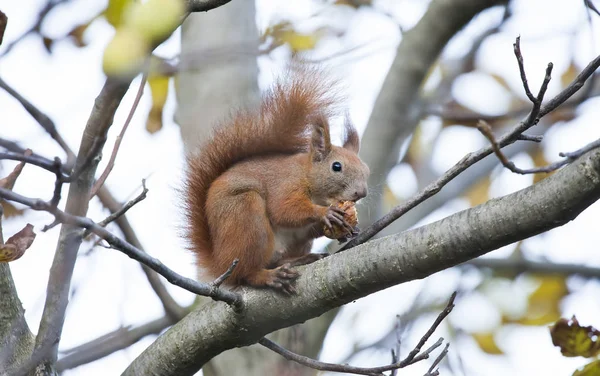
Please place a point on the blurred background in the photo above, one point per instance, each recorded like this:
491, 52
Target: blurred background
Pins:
414, 128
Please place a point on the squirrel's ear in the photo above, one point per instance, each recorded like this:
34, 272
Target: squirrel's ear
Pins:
351, 140
320, 144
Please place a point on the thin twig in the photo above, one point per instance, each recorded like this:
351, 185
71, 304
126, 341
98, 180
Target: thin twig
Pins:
35, 160
413, 357
124, 209
36, 27
437, 361
333, 367
527, 137
189, 284
569, 156
432, 329
113, 156
519, 56
217, 282
472, 158
40, 117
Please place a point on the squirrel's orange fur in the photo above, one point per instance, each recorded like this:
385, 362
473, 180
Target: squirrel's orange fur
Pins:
259, 189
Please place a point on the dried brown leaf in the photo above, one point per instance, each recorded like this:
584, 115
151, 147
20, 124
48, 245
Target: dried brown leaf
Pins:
574, 339
17, 244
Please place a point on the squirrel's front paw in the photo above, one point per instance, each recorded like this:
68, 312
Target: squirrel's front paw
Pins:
340, 221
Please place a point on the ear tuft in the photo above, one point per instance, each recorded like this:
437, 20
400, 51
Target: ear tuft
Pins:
351, 140
320, 144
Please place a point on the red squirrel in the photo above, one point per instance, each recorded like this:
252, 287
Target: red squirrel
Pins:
265, 183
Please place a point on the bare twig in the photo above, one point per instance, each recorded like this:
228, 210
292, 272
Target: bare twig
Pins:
443, 353
569, 157
113, 156
124, 209
36, 26
591, 6
472, 158
432, 329
40, 117
413, 357
332, 367
35, 160
526, 137
519, 56
217, 282
131, 251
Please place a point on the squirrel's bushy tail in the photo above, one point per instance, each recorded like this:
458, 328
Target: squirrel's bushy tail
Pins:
281, 125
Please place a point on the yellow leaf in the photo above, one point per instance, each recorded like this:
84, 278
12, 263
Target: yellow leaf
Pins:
155, 19
159, 88
298, 41
479, 192
17, 244
574, 339
284, 33
544, 302
115, 11
487, 343
590, 369
125, 53
569, 75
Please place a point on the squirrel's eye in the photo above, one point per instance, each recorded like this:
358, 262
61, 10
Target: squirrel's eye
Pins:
336, 166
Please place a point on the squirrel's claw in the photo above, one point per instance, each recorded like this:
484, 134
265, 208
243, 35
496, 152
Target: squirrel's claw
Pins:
282, 279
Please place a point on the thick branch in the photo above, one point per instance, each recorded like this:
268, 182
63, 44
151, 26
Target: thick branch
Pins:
371, 267
69, 241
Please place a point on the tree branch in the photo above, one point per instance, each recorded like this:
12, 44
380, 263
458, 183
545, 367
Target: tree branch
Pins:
532, 266
77, 203
111, 342
371, 267
204, 5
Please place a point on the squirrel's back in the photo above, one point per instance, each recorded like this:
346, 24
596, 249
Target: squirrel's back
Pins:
279, 126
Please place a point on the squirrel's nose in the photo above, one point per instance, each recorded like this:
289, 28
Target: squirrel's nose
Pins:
360, 193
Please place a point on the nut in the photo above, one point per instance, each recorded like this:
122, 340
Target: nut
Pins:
350, 216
